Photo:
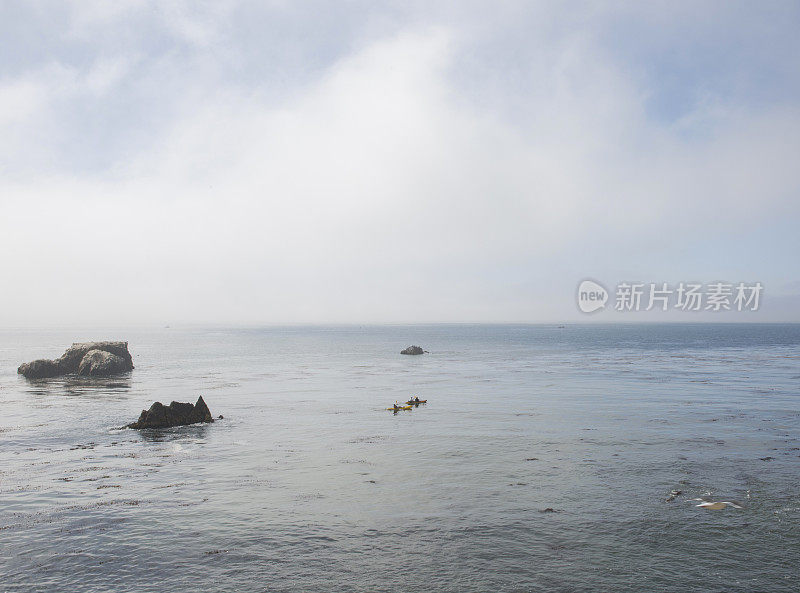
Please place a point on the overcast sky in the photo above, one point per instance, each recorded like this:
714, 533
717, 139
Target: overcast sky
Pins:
257, 162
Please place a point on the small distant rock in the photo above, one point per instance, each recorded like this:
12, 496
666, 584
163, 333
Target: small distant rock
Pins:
176, 414
767, 458
413, 350
549, 510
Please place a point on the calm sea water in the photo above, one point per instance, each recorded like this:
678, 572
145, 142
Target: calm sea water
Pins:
308, 484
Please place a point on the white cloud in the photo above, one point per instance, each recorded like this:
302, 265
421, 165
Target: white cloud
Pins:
378, 191
105, 74
19, 100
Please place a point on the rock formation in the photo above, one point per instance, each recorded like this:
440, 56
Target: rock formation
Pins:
39, 369
94, 359
99, 363
176, 414
413, 350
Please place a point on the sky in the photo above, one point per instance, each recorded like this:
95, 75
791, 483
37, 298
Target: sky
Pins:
393, 162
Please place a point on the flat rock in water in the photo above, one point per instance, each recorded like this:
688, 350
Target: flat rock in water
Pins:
412, 350
94, 359
40, 369
72, 358
175, 414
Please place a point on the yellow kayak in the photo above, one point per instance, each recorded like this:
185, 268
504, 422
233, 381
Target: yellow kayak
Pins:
398, 408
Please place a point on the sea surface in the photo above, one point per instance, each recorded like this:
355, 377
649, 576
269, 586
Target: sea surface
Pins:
543, 461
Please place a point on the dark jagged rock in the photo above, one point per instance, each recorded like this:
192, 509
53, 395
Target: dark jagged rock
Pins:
413, 350
94, 359
175, 414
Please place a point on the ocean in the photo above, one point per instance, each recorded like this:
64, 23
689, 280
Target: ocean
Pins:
543, 461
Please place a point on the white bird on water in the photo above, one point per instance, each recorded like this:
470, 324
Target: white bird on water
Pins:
715, 505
